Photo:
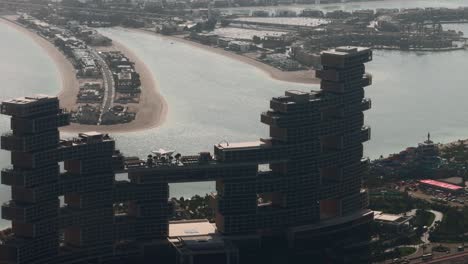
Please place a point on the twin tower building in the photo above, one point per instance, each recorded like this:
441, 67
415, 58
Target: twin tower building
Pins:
293, 197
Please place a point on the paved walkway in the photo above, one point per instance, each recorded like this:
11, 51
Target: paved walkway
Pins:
438, 217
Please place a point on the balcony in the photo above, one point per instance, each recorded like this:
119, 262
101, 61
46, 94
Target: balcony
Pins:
367, 80
365, 134
269, 118
40, 124
63, 118
28, 178
344, 57
11, 177
366, 104
11, 142
44, 140
279, 133
365, 161
30, 106
280, 104
14, 211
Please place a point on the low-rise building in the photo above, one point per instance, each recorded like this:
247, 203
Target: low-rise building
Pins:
260, 13
224, 42
365, 14
116, 59
85, 63
123, 82
98, 40
90, 93
273, 42
392, 222
282, 61
438, 185
239, 46
284, 12
312, 13
306, 57
204, 38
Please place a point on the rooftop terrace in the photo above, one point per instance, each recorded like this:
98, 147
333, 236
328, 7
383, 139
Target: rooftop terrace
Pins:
30, 99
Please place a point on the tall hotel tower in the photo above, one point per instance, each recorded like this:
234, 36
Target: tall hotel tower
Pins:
320, 181
294, 197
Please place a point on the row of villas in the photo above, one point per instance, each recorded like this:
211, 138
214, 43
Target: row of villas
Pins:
409, 13
126, 79
272, 49
438, 14
306, 51
208, 38
74, 48
240, 45
75, 41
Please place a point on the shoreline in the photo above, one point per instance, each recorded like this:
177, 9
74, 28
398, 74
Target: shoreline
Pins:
66, 71
304, 76
152, 107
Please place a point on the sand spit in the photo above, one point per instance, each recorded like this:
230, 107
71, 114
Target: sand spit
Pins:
152, 108
305, 76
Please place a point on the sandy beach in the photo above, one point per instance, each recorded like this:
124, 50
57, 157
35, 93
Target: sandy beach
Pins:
305, 76
152, 108
70, 86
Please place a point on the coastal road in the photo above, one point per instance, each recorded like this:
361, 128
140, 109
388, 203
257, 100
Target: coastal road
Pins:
109, 85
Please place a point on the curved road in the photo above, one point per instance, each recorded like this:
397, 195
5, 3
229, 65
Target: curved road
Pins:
438, 217
109, 84
425, 236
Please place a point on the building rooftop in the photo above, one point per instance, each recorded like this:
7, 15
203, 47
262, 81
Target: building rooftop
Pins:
90, 134
443, 185
346, 51
391, 218
298, 96
241, 145
453, 180
380, 216
30, 99
126, 75
185, 228
85, 138
207, 242
294, 96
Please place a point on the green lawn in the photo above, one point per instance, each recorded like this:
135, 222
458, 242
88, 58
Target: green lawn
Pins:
424, 218
406, 251
430, 220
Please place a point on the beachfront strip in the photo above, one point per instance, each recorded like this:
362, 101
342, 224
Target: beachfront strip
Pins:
286, 43
109, 85
296, 194
288, 39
